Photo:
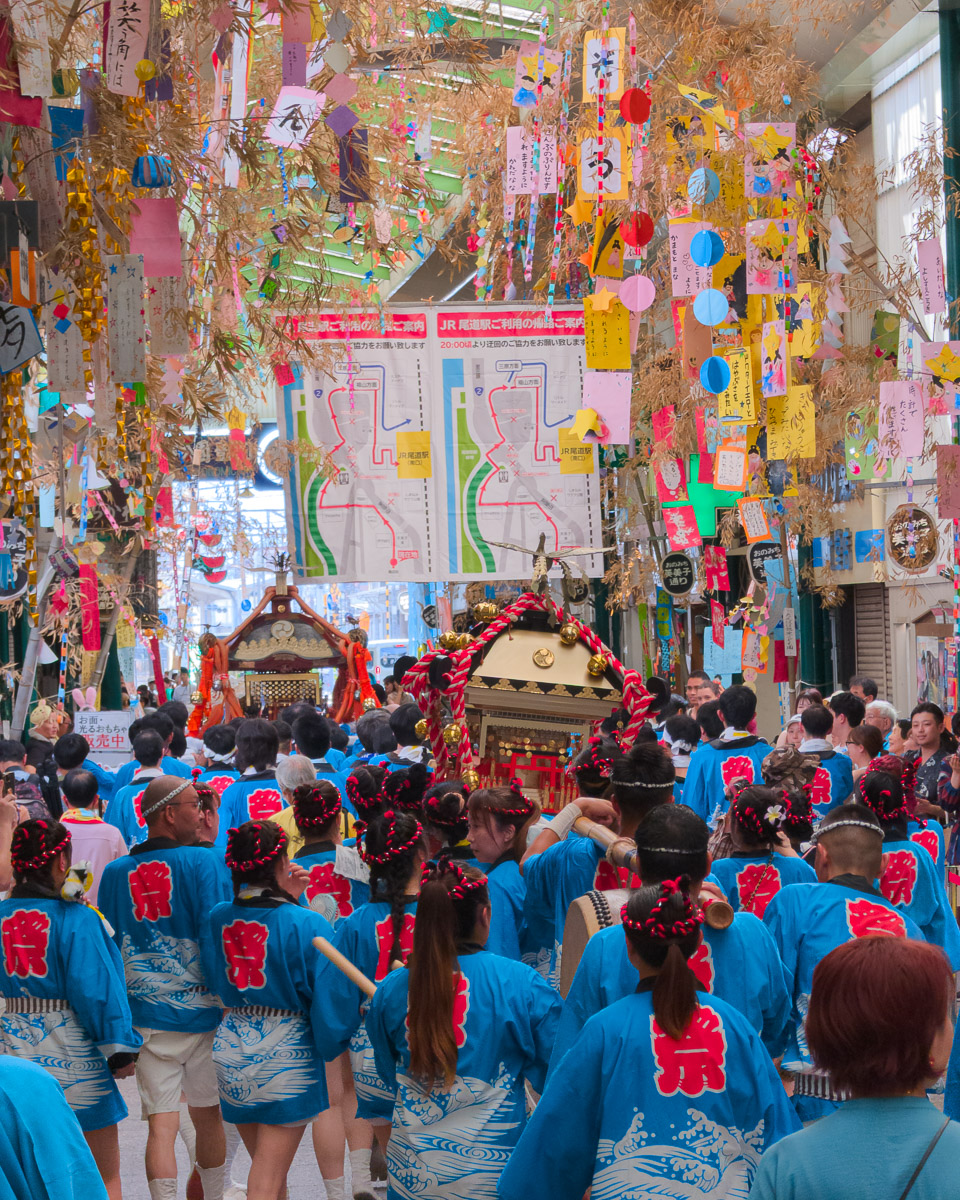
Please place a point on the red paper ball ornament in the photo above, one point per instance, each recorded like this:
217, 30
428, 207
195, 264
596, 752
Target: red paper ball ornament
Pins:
637, 229
635, 106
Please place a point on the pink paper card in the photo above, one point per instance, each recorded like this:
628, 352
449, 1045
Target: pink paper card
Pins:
671, 480
941, 375
518, 174
773, 359
341, 89
768, 161
948, 482
901, 418
608, 393
663, 421
155, 233
295, 21
718, 622
686, 278
125, 38
705, 467
771, 266
930, 267
528, 73
715, 565
681, 525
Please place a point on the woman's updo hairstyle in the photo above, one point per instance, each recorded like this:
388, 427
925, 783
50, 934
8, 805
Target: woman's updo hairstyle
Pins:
363, 790
757, 814
593, 766
389, 846
404, 789
662, 924
882, 793
316, 806
507, 806
34, 846
445, 810
798, 819
252, 852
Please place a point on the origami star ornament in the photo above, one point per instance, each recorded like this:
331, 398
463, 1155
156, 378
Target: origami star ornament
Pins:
603, 299
946, 366
440, 20
769, 144
587, 421
530, 69
581, 210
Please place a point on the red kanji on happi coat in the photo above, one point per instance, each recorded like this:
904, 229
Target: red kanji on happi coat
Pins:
694, 1063
25, 937
245, 949
151, 890
866, 919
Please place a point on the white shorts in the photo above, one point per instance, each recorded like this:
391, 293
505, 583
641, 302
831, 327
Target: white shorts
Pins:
172, 1063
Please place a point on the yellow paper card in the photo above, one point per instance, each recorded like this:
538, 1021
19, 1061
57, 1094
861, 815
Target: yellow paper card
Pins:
804, 328
576, 457
616, 164
791, 429
413, 454
738, 404
594, 55
607, 334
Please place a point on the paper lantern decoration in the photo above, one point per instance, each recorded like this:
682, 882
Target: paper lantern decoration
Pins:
637, 293
703, 186
634, 106
711, 306
637, 230
715, 375
706, 248
152, 171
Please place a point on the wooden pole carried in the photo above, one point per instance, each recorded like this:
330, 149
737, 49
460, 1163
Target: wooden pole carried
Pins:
354, 974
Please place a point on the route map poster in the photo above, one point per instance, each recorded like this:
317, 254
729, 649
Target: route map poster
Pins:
451, 431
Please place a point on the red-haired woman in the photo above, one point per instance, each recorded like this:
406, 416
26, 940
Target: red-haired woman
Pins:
375, 938
879, 1023
498, 823
762, 860
455, 1036
259, 958
667, 1092
62, 981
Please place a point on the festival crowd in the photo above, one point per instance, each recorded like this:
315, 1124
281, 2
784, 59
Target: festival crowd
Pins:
291, 926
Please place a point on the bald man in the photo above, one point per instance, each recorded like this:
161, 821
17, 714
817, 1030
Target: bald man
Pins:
158, 898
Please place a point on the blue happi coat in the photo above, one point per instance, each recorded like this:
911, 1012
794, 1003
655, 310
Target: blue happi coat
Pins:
929, 834
911, 882
158, 899
507, 889
631, 1112
714, 769
259, 958
337, 871
740, 965
452, 1144
340, 1007
750, 881
123, 809
168, 766
807, 921
66, 1001
219, 778
43, 1155
253, 797
832, 782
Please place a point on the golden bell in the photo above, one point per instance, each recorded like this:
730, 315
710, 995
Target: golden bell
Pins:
449, 640
369, 703
452, 735
486, 611
597, 664
569, 634
471, 779
420, 729
463, 641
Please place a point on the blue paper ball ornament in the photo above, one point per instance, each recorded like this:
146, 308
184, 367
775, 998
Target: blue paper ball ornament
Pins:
151, 171
703, 186
715, 375
711, 306
706, 248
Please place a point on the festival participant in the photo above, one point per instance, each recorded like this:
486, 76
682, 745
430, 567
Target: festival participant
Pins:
312, 736
43, 1155
739, 964
557, 868
808, 920
93, 840
333, 870
848, 712
445, 821
909, 878
155, 722
833, 781
65, 1002
158, 899
882, 716
901, 737
879, 1023
455, 1037
696, 681
284, 739
405, 722
665, 1092
123, 810
295, 771
216, 758
72, 751
255, 795
376, 936
339, 753
763, 860
259, 958
44, 724
375, 737
710, 721
864, 744
681, 735
30, 801
404, 788
364, 785
498, 819
735, 755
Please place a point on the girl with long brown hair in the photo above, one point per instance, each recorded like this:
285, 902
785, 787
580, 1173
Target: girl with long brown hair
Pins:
665, 1088
455, 1037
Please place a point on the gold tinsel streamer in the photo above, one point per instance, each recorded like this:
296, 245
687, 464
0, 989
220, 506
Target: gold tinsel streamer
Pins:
87, 273
16, 478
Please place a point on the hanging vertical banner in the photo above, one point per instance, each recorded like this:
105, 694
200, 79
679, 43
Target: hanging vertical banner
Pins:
64, 344
32, 28
125, 44
167, 315
89, 608
239, 77
126, 327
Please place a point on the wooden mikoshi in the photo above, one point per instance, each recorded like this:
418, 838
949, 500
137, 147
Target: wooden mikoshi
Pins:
599, 910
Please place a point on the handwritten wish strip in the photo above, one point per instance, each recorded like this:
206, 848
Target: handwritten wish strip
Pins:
607, 336
518, 173
901, 418
933, 295
126, 324
167, 316
791, 430
32, 27
686, 278
64, 344
127, 33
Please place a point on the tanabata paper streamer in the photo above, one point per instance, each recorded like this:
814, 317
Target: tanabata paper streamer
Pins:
930, 270
89, 608
295, 113
681, 526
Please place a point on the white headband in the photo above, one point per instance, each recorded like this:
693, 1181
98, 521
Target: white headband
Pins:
146, 812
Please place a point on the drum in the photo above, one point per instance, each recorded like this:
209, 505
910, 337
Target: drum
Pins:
585, 916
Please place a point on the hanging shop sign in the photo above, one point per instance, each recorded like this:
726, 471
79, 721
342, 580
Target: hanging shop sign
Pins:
912, 539
759, 554
678, 574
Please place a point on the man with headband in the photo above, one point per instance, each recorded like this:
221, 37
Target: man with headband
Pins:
808, 920
158, 898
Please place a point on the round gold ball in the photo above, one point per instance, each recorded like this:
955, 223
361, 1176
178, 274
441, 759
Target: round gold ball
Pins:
463, 641
569, 635
597, 664
452, 735
420, 729
196, 698
449, 640
369, 703
471, 779
486, 611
